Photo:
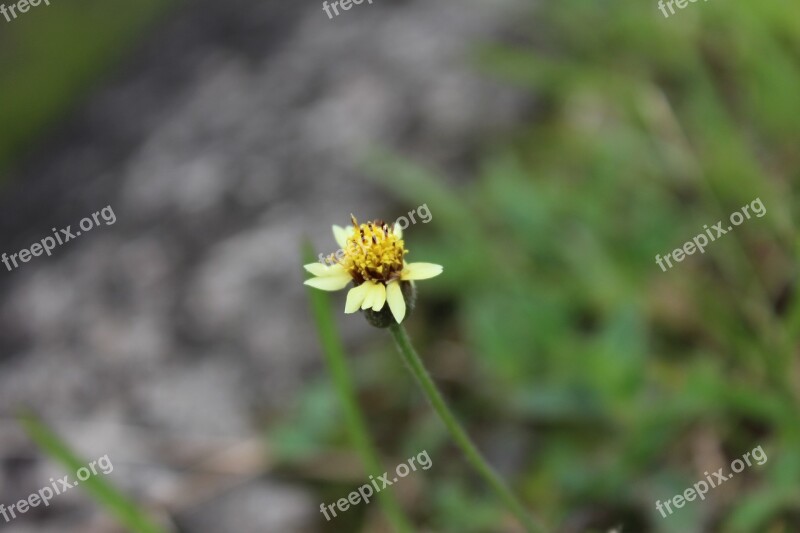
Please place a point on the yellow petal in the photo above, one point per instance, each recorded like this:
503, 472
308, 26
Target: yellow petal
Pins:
379, 297
397, 230
397, 304
341, 234
318, 269
329, 283
355, 297
421, 271
370, 296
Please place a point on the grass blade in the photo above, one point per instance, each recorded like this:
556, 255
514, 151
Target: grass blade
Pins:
127, 513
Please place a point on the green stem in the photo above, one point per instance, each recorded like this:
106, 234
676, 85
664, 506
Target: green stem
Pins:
415, 365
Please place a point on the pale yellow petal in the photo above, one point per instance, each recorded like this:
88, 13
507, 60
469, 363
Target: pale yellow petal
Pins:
397, 304
321, 270
355, 297
329, 283
340, 234
397, 230
379, 297
421, 271
370, 296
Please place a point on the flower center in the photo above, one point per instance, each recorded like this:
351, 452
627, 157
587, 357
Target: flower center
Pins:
373, 252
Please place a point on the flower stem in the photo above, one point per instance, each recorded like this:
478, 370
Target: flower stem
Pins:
417, 368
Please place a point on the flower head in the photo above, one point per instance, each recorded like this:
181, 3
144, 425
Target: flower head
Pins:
372, 257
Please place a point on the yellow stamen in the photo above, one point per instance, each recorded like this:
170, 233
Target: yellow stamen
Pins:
373, 252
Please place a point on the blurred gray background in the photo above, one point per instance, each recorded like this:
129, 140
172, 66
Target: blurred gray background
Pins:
225, 135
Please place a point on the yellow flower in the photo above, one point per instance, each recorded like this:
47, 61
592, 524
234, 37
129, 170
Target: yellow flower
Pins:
372, 258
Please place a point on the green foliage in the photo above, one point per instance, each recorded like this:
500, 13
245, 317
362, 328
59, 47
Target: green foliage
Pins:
314, 422
616, 373
462, 511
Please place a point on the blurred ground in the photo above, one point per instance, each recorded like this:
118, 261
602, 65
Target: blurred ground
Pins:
166, 339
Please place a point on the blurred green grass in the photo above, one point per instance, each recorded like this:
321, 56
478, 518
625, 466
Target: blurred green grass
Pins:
554, 331
50, 57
